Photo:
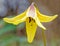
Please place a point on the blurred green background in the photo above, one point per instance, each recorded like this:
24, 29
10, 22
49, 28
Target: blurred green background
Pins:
11, 35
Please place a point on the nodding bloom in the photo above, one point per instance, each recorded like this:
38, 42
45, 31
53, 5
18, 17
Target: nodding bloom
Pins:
33, 18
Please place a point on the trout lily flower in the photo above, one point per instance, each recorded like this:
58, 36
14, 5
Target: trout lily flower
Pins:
33, 18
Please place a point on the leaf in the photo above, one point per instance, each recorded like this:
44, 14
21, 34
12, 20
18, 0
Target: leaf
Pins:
8, 39
7, 28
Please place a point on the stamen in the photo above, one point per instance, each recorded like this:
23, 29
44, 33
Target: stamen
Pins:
29, 19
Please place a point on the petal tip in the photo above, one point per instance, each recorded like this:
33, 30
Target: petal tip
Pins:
56, 15
5, 19
29, 41
44, 28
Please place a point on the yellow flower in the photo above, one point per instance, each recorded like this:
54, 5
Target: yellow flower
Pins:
32, 17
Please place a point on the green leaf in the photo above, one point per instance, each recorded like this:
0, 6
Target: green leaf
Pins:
8, 39
7, 28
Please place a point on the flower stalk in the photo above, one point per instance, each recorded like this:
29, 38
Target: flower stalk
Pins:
44, 37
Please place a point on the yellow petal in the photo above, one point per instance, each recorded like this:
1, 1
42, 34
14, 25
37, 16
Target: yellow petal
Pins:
39, 24
45, 18
17, 19
30, 29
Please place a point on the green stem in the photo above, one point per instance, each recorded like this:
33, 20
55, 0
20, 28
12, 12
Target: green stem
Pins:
44, 37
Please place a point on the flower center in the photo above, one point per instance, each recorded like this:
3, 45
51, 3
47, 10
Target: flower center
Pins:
31, 19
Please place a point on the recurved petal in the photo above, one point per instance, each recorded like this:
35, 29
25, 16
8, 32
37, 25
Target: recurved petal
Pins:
39, 24
31, 27
17, 19
45, 18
